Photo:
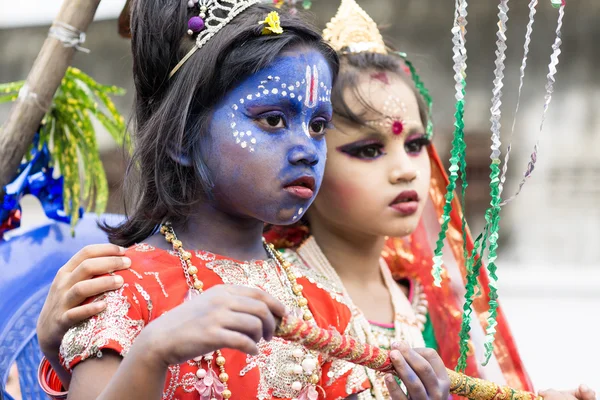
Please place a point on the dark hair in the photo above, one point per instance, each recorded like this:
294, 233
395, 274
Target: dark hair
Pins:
172, 115
352, 66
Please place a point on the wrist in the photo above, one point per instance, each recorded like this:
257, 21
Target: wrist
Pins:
146, 349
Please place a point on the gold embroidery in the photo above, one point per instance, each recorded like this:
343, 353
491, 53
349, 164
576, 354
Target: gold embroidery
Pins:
275, 358
86, 339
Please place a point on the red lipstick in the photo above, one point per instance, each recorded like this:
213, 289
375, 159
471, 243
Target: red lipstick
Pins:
406, 203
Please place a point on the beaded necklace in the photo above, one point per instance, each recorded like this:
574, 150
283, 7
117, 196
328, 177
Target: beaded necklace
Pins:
308, 365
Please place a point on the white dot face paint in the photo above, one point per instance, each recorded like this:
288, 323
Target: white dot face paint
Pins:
313, 91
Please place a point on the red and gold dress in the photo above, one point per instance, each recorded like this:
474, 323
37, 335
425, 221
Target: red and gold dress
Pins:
155, 284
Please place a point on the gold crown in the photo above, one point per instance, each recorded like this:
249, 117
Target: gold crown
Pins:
352, 31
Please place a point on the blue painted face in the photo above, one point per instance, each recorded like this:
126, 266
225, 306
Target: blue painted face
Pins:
268, 151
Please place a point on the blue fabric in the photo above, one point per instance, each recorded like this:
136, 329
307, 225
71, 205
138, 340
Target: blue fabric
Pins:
28, 264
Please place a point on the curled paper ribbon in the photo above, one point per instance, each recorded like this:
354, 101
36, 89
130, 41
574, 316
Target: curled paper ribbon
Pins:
457, 153
552, 69
333, 344
423, 91
529, 31
492, 215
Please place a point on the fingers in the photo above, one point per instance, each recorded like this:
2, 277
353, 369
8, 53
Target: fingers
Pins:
414, 386
247, 324
272, 303
551, 394
92, 267
394, 388
80, 291
237, 341
424, 371
435, 361
75, 315
585, 393
258, 310
93, 251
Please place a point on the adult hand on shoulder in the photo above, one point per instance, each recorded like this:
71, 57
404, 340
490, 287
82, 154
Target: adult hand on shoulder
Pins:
422, 372
224, 316
581, 393
73, 284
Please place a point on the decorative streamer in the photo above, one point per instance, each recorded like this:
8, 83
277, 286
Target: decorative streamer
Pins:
473, 270
423, 91
532, 12
492, 215
552, 69
457, 153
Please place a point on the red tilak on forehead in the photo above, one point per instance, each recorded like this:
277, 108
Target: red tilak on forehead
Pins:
381, 76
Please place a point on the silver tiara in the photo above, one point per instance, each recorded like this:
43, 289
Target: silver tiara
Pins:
212, 16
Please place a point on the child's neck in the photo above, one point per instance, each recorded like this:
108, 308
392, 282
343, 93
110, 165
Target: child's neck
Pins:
354, 255
219, 232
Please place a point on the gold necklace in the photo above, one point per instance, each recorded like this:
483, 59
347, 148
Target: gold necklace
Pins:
196, 287
404, 329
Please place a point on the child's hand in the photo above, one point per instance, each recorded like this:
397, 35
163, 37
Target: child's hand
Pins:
72, 285
224, 316
581, 393
422, 372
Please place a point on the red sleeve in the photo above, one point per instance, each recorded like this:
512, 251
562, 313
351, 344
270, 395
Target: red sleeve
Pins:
115, 328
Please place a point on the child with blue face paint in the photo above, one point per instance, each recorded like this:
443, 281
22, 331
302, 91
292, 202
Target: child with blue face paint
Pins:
229, 135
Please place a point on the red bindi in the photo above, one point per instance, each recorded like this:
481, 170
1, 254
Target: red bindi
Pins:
397, 127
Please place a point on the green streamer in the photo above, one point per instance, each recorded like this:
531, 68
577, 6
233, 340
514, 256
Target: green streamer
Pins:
423, 91
474, 264
457, 157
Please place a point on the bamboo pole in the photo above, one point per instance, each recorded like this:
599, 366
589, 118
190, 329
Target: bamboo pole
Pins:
44, 78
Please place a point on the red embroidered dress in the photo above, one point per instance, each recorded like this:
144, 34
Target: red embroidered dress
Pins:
155, 284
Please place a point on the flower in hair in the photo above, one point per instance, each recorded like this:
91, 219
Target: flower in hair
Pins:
272, 24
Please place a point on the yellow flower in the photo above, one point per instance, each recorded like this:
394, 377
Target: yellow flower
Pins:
272, 24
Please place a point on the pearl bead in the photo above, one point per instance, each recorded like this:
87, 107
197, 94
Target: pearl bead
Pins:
309, 365
297, 369
192, 270
201, 373
223, 377
198, 284
186, 255
226, 394
220, 361
314, 379
296, 385
298, 353
190, 3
